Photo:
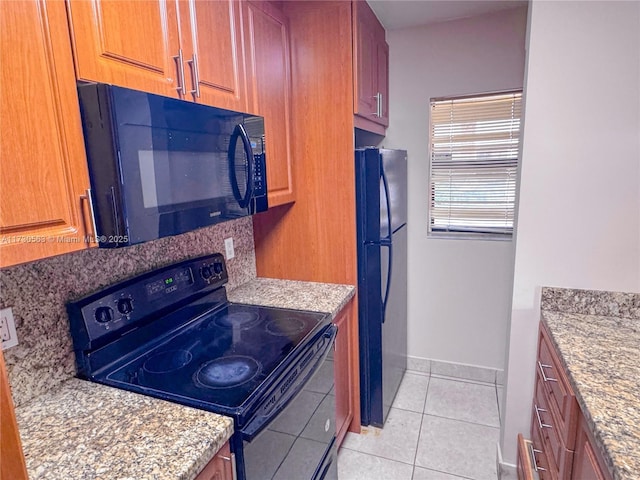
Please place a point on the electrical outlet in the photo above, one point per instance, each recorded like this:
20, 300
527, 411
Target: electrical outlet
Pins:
228, 247
7, 329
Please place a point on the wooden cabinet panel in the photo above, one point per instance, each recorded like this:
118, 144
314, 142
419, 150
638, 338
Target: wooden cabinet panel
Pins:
524, 467
269, 61
314, 239
344, 378
558, 428
545, 419
212, 31
371, 70
365, 60
12, 464
586, 463
220, 467
557, 388
132, 44
44, 170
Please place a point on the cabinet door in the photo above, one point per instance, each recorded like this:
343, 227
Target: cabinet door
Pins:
220, 467
343, 372
212, 44
365, 60
12, 464
270, 83
586, 463
44, 172
382, 79
131, 44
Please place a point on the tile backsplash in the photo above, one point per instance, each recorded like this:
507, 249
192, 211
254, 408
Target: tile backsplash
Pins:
38, 291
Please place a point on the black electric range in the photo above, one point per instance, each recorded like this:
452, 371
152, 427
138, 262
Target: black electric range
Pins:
172, 334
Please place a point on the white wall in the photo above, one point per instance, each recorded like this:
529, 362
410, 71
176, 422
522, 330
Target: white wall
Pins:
579, 212
459, 290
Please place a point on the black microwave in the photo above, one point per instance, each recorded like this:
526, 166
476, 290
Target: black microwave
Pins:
159, 166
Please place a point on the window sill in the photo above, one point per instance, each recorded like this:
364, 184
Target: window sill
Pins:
470, 236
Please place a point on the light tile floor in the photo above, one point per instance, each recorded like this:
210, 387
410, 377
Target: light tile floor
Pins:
438, 428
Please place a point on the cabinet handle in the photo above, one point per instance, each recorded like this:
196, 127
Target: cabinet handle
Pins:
195, 77
538, 410
378, 97
87, 196
544, 377
379, 105
181, 88
232, 460
533, 457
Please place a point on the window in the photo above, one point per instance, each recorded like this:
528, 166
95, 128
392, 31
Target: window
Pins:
474, 160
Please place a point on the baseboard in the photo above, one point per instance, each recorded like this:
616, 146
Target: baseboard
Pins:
506, 471
456, 370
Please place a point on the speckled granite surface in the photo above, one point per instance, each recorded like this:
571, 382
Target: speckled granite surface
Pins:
591, 302
270, 292
601, 354
87, 431
38, 292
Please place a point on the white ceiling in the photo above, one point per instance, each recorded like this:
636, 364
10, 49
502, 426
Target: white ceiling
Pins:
394, 14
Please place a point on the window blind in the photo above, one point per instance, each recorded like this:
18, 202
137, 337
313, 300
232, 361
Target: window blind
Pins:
474, 160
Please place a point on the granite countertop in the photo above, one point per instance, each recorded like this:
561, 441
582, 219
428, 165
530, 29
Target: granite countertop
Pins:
313, 296
84, 430
87, 431
600, 350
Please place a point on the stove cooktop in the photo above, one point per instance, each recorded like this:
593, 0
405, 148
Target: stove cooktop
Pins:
222, 357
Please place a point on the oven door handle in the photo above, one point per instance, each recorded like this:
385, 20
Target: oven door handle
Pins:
289, 387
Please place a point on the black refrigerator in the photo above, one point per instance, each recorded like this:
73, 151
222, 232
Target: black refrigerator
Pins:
381, 204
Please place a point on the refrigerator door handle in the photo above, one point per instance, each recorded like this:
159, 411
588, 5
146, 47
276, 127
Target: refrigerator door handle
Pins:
389, 245
385, 184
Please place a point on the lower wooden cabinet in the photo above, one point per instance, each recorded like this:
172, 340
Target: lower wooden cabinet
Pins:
587, 463
561, 446
221, 466
12, 462
343, 371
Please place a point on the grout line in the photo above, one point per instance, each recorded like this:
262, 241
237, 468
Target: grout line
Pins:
463, 421
463, 380
374, 455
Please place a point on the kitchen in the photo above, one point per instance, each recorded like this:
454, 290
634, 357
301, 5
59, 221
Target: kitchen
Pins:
290, 244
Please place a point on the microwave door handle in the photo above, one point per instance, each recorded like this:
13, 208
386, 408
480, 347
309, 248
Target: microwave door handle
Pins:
239, 131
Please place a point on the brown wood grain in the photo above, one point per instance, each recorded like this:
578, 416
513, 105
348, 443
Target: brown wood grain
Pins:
587, 462
370, 67
219, 467
43, 171
344, 377
131, 44
315, 238
213, 31
269, 70
12, 464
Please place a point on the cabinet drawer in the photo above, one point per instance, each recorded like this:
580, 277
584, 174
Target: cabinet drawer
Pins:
558, 390
544, 464
526, 468
545, 419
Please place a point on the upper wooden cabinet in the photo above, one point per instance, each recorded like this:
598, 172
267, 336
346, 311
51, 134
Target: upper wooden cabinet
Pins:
370, 69
185, 49
44, 171
211, 38
269, 73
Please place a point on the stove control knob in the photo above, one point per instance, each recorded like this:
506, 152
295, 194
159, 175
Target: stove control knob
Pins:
218, 268
206, 272
104, 314
125, 306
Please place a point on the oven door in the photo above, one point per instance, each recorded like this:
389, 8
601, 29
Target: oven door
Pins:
300, 443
